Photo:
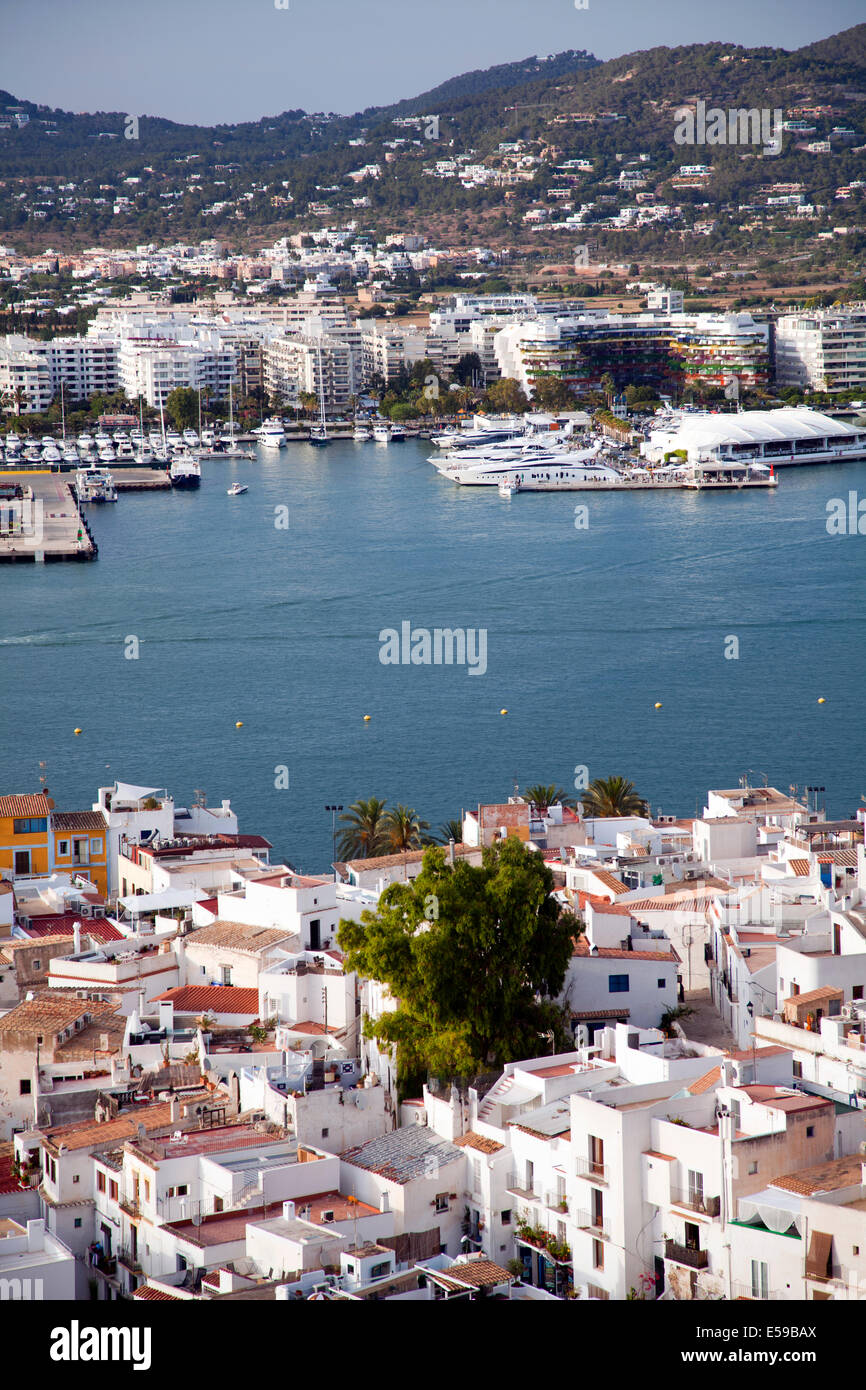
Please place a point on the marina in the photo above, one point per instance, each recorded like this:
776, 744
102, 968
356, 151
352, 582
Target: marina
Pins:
40, 520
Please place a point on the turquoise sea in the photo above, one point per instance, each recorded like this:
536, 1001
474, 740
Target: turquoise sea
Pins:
240, 619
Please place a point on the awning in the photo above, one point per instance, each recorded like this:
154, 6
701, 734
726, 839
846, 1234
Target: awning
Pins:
127, 791
778, 1210
136, 904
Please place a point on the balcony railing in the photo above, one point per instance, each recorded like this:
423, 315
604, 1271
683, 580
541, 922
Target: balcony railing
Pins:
130, 1205
588, 1168
759, 1295
681, 1255
129, 1260
695, 1201
586, 1221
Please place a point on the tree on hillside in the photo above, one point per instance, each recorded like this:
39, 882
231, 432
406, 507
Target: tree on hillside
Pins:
612, 796
475, 957
364, 836
182, 407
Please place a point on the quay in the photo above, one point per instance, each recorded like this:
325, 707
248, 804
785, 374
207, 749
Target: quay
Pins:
40, 521
139, 479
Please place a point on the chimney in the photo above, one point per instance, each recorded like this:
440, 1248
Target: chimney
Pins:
451, 853
288, 1211
174, 1110
76, 938
36, 1235
384, 1202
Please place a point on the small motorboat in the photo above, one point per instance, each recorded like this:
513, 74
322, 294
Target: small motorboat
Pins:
236, 489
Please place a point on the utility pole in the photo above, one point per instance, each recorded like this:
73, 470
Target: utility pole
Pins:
333, 810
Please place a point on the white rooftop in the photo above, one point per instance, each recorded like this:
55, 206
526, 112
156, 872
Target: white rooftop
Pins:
756, 427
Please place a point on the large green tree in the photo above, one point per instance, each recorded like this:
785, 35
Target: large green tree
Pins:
475, 957
182, 407
403, 829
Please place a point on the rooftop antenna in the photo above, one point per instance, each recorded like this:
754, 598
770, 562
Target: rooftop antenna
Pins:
201, 797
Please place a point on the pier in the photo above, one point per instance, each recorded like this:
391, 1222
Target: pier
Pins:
139, 479
40, 520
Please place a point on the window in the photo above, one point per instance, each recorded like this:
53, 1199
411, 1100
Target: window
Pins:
379, 1271
753, 1167
617, 984
75, 1177
183, 1189
63, 849
100, 1182
660, 983
760, 1279
33, 825
324, 1134
696, 1188
798, 1069
227, 974
95, 846
855, 1249
112, 1189
37, 963
24, 1087
857, 992
505, 1217
441, 1201
810, 1131
598, 1254
146, 1186
77, 1222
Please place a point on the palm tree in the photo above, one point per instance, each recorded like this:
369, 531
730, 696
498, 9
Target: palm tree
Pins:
612, 796
403, 829
541, 797
450, 830
364, 836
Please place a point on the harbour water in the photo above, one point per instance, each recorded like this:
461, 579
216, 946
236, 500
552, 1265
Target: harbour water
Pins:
240, 617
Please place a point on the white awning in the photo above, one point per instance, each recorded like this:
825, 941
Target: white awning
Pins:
127, 791
778, 1210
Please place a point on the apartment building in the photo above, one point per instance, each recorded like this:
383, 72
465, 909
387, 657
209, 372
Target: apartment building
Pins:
25, 376
822, 349
320, 365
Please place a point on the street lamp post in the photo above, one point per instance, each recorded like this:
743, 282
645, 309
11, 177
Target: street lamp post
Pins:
333, 810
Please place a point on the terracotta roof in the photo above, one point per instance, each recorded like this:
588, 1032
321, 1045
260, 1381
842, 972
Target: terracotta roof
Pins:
211, 999
122, 1127
813, 995
774, 1100
601, 1013
77, 820
63, 923
414, 856
46, 939
603, 905
26, 805
582, 948
44, 1015
708, 1082
610, 880
478, 1274
823, 1177
237, 936
681, 901
801, 867
653, 1153
471, 1140
307, 1026
148, 1294
843, 858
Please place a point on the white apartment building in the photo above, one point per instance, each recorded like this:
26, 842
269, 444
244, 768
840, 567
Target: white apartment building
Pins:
386, 351
822, 349
83, 366
25, 376
322, 366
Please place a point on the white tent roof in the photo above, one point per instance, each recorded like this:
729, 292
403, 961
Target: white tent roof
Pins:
756, 427
127, 791
779, 1210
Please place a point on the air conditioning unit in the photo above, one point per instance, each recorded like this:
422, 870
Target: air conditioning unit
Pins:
849, 1011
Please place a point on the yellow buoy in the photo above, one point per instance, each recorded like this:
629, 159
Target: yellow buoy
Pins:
367, 718
77, 732
239, 723
503, 711
658, 704
821, 700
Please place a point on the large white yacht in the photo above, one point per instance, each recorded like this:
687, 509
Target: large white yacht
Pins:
271, 434
534, 467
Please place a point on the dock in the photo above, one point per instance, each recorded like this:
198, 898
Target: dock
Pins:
40, 521
139, 479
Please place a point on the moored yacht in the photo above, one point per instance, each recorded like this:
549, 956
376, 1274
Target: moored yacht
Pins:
271, 434
381, 431
398, 434
185, 469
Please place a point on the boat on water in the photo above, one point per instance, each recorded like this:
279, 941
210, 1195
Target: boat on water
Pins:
70, 456
508, 487
236, 489
95, 484
124, 450
184, 470
536, 468
381, 432
105, 453
191, 439
271, 434
398, 434
482, 429
319, 433
361, 435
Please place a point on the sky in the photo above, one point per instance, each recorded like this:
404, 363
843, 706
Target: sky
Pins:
213, 61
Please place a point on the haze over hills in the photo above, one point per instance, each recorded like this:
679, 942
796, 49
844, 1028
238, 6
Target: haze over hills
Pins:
280, 165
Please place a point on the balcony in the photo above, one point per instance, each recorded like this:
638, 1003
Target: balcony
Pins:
587, 1221
755, 1294
681, 1255
129, 1205
694, 1200
129, 1260
595, 1172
